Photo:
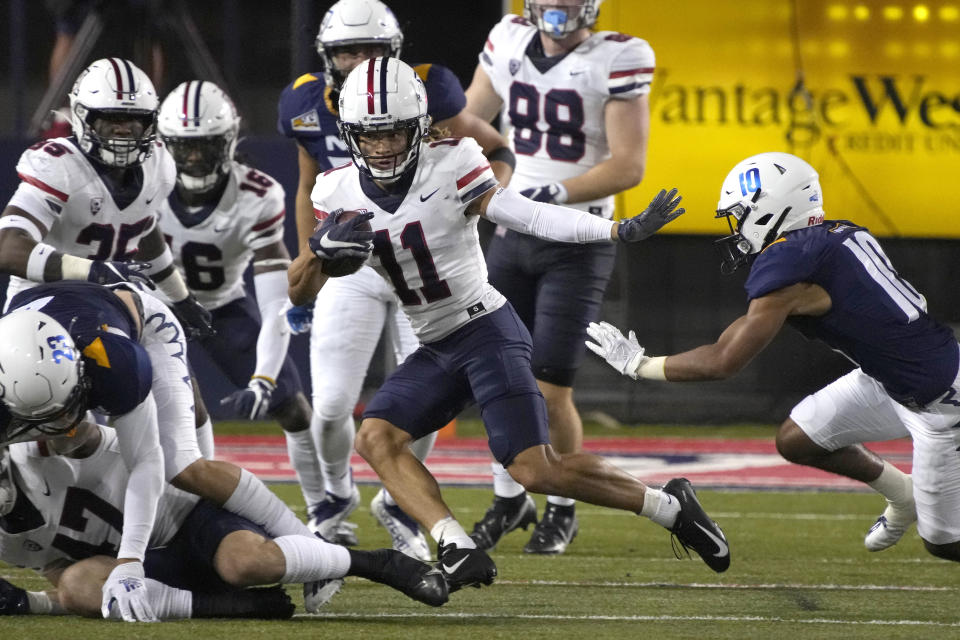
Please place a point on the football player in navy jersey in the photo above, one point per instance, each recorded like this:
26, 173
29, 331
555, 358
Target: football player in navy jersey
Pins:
352, 313
831, 280
577, 103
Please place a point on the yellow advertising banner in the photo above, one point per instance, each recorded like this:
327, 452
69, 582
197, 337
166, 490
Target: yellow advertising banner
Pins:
868, 92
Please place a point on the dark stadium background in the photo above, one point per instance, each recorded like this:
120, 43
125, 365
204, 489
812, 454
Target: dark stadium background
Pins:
670, 291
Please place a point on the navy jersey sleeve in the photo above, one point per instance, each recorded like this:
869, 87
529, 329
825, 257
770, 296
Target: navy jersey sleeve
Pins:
301, 107
120, 374
445, 97
780, 265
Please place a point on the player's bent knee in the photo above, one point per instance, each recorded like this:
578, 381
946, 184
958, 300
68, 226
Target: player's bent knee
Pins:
333, 405
378, 437
293, 415
245, 559
794, 445
532, 469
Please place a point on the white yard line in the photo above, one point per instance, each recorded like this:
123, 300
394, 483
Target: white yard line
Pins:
526, 616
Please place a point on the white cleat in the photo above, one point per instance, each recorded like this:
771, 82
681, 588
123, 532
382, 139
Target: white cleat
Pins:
890, 527
407, 537
316, 594
328, 519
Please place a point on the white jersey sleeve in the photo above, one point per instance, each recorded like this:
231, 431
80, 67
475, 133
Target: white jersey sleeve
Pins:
267, 226
632, 66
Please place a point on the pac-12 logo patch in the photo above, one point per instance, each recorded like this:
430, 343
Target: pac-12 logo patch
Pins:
95, 205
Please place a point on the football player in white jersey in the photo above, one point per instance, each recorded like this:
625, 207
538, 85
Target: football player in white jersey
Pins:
576, 102
201, 558
422, 199
222, 216
353, 31
86, 206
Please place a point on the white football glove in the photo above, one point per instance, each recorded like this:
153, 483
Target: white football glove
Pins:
126, 591
623, 354
253, 402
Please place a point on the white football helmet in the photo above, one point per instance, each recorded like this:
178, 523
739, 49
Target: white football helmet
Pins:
199, 124
560, 18
381, 95
114, 88
41, 377
356, 22
763, 197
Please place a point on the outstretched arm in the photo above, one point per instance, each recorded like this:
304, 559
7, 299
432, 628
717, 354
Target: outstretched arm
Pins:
739, 343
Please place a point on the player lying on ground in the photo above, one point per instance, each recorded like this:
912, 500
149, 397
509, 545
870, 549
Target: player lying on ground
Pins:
61, 501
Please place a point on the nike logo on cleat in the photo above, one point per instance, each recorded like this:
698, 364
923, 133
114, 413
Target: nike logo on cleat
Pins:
722, 548
456, 565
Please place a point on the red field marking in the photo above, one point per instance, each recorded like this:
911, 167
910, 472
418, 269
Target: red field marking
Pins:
707, 462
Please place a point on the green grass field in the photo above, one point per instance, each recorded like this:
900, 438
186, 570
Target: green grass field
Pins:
798, 569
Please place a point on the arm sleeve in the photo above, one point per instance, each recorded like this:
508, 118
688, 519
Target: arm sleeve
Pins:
546, 221
139, 441
274, 337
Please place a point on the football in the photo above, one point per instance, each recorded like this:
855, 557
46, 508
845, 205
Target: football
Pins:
345, 266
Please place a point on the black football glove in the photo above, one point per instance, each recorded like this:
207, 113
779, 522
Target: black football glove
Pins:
342, 240
661, 210
197, 322
103, 272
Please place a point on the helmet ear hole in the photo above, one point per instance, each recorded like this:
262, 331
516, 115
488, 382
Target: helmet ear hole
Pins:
764, 219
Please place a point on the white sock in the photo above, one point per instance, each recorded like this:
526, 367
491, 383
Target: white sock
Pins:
504, 486
336, 444
252, 500
169, 603
449, 531
311, 559
660, 507
560, 501
205, 439
302, 450
42, 604
894, 485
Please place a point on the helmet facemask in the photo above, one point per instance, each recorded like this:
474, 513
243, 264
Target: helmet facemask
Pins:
363, 50
384, 167
560, 20
114, 150
202, 162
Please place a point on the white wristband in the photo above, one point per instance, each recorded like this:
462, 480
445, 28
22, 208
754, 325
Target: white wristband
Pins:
38, 261
161, 262
74, 268
173, 287
652, 368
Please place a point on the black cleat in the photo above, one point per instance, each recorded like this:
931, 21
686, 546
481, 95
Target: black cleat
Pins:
13, 600
554, 532
695, 530
505, 515
264, 603
413, 578
465, 567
